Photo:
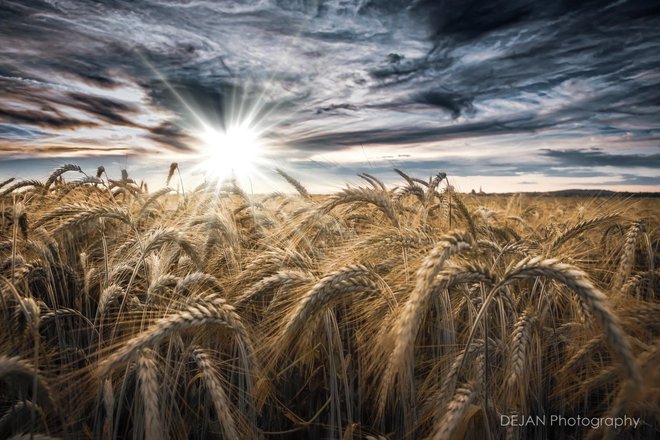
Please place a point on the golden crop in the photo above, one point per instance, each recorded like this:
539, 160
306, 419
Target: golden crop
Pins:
375, 312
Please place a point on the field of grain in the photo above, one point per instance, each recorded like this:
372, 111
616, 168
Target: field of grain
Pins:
410, 311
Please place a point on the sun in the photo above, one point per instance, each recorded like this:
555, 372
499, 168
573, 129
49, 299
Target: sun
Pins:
232, 152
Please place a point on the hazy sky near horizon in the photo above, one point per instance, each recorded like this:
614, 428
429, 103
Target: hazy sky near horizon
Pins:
507, 95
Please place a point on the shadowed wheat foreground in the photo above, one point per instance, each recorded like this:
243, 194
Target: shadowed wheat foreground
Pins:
377, 312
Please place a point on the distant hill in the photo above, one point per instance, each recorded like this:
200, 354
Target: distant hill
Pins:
592, 193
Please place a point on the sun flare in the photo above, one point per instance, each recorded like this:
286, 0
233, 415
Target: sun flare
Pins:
231, 153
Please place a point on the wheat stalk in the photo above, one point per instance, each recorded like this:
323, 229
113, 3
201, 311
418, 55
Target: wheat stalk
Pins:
213, 383
207, 310
58, 172
295, 183
280, 278
581, 227
366, 195
594, 299
331, 288
7, 182
409, 320
374, 181
76, 214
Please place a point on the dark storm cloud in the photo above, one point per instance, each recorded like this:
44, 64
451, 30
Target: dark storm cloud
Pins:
168, 129
198, 96
106, 109
46, 119
171, 142
457, 165
471, 19
598, 157
640, 180
329, 75
335, 107
171, 136
453, 103
522, 123
15, 150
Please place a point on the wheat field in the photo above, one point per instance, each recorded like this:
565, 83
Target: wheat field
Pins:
378, 312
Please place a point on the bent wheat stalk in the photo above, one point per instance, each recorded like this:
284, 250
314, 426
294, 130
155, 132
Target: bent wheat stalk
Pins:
213, 383
409, 320
580, 227
18, 370
281, 278
330, 288
208, 310
592, 298
366, 195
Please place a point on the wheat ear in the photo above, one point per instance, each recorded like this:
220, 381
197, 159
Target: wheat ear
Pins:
147, 372
520, 342
58, 172
456, 411
627, 261
281, 278
295, 183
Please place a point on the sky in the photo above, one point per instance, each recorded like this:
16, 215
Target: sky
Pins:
500, 95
